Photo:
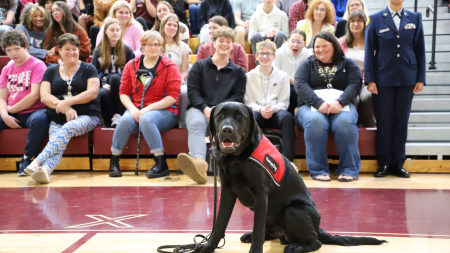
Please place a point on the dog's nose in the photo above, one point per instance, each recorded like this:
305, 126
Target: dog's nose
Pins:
227, 130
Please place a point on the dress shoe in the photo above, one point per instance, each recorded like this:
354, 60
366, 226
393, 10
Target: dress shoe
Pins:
382, 171
160, 169
399, 171
114, 168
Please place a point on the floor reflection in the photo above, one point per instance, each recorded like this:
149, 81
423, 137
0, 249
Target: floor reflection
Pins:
191, 209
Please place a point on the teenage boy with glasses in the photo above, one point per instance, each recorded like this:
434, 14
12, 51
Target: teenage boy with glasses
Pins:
268, 93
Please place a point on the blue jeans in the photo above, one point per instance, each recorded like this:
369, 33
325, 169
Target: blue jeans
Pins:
5, 28
151, 125
193, 18
317, 126
37, 123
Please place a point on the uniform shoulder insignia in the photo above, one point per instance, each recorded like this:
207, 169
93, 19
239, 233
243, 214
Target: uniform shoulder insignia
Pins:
368, 21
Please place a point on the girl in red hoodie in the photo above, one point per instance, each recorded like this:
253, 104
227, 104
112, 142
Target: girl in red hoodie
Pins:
160, 111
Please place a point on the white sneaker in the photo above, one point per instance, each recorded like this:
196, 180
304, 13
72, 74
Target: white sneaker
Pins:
115, 120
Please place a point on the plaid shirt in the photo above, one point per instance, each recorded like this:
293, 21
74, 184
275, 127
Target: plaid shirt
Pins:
297, 13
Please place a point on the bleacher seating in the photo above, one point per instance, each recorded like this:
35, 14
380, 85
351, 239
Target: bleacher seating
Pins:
3, 61
193, 43
12, 144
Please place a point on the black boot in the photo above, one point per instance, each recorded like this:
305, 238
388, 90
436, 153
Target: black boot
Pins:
114, 168
160, 169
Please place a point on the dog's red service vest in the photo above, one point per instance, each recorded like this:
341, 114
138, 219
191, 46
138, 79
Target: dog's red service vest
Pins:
267, 156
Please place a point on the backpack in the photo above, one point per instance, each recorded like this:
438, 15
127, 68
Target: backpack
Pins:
275, 138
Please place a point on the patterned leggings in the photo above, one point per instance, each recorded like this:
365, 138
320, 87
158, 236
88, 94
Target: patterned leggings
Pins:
60, 136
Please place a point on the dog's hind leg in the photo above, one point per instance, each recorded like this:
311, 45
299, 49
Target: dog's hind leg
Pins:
300, 231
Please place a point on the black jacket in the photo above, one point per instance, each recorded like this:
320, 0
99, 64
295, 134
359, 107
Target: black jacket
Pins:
340, 28
210, 8
208, 86
348, 78
112, 69
180, 7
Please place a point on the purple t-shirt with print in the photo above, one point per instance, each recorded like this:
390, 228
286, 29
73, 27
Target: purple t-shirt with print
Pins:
18, 80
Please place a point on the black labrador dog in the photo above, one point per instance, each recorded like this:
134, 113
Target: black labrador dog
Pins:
264, 181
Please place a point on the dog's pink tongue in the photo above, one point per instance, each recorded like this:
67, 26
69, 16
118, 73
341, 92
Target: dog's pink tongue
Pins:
227, 143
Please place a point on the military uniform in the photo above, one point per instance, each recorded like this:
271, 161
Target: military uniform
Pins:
395, 61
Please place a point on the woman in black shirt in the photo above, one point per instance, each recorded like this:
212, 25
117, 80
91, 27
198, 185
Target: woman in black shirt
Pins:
327, 84
69, 90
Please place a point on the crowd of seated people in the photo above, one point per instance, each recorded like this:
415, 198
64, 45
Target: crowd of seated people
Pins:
296, 55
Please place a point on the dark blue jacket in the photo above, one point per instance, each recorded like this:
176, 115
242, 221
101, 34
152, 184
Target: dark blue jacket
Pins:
339, 6
210, 8
394, 57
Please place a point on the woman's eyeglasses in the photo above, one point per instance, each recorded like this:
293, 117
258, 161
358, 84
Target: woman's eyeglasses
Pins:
296, 42
156, 45
317, 9
356, 21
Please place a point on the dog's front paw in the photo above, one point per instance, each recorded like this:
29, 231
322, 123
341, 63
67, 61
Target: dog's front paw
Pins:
247, 237
204, 248
293, 248
256, 249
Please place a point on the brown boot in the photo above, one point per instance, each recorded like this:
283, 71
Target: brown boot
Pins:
195, 169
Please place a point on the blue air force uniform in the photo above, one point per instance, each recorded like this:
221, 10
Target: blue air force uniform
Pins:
395, 61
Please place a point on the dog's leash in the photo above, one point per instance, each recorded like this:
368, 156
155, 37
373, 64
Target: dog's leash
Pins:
187, 248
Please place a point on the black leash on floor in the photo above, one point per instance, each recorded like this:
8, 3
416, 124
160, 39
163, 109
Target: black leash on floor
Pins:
187, 248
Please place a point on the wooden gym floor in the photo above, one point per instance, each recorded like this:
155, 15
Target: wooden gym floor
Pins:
90, 212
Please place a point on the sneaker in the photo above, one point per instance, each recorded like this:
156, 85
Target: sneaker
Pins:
21, 166
115, 120
41, 176
193, 168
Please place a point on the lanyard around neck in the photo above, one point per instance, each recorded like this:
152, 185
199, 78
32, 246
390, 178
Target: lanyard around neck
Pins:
69, 82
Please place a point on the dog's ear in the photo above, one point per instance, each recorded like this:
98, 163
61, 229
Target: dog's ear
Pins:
254, 128
211, 128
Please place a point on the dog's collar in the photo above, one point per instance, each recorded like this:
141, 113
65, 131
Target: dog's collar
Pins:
267, 156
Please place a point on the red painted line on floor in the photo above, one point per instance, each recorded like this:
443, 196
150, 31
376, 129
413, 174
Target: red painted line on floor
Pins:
207, 232
80, 242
